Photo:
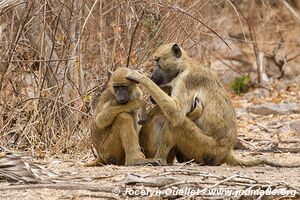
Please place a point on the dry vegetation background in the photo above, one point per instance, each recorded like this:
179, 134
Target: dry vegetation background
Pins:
55, 55
54, 61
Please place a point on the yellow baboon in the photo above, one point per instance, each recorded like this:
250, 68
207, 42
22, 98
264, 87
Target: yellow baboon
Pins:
210, 139
114, 128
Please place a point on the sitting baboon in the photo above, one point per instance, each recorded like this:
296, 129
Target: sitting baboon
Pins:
210, 139
114, 128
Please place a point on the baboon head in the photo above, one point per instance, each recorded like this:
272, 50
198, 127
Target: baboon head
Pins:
169, 60
121, 87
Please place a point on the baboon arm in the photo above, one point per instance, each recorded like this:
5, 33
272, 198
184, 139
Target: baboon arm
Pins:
107, 116
170, 106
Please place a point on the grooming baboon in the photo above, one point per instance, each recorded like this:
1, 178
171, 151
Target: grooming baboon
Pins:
114, 128
211, 138
150, 132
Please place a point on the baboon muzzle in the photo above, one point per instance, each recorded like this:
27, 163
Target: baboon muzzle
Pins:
163, 76
157, 78
122, 95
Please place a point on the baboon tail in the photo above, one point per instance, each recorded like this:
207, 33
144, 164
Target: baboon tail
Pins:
232, 159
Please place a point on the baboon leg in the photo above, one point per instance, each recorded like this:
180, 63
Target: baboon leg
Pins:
197, 108
171, 156
129, 138
166, 146
192, 143
150, 135
196, 113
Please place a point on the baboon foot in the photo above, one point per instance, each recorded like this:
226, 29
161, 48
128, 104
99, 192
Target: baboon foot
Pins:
93, 163
151, 162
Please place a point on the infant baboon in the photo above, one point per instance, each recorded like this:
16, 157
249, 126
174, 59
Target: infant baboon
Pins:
114, 128
210, 139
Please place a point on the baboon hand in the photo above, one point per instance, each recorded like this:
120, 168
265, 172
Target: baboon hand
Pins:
136, 104
136, 76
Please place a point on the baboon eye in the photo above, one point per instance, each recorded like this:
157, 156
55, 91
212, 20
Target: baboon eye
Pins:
119, 86
157, 64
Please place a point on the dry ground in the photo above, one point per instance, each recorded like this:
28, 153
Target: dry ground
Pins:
104, 179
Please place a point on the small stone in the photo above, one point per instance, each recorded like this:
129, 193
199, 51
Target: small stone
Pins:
284, 129
295, 126
257, 93
272, 108
240, 111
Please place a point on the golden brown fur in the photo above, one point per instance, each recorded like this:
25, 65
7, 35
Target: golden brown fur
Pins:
114, 128
150, 133
211, 138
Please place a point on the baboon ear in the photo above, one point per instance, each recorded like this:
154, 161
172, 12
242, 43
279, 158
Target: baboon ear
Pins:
109, 73
176, 51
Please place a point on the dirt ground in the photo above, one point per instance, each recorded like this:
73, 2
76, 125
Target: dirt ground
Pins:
108, 178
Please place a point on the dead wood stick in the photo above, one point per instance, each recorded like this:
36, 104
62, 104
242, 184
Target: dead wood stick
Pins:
218, 183
61, 186
291, 187
288, 150
102, 196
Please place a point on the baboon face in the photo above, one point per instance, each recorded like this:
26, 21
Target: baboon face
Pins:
121, 93
121, 86
168, 59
